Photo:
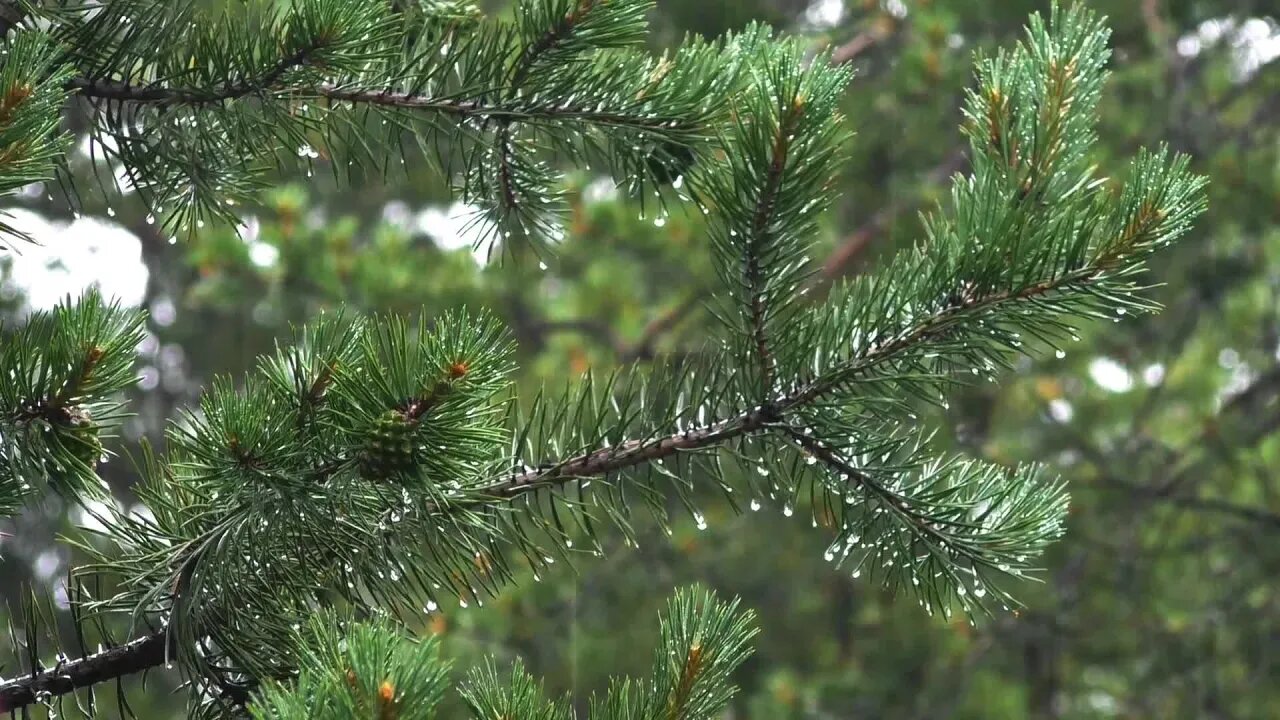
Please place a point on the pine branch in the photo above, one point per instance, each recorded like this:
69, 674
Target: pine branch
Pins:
163, 95
160, 94
936, 326
604, 461
147, 651
380, 466
753, 271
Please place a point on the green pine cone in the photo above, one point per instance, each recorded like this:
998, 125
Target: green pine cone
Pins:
389, 448
80, 437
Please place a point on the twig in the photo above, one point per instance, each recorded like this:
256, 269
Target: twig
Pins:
642, 348
864, 41
856, 243
134, 656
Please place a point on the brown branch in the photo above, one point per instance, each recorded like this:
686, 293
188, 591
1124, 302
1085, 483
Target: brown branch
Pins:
554, 36
134, 656
159, 94
594, 329
683, 691
882, 29
625, 455
642, 348
753, 272
162, 95
604, 461
1157, 27
855, 244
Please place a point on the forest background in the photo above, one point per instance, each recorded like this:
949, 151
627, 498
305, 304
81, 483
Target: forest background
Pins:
1161, 599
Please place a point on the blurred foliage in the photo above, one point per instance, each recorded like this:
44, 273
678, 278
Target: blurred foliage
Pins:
1161, 600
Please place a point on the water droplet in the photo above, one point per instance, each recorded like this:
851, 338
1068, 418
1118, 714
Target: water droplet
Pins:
786, 510
755, 505
1060, 354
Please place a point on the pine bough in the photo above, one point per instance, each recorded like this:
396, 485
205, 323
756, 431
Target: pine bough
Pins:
376, 468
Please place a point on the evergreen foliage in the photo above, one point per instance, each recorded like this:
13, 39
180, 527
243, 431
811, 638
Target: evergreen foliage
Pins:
381, 465
56, 397
372, 669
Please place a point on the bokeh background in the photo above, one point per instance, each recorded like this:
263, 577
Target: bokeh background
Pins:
1162, 601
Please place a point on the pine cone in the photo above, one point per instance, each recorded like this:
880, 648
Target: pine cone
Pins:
80, 437
389, 449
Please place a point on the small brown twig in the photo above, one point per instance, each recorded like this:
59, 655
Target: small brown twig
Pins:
852, 247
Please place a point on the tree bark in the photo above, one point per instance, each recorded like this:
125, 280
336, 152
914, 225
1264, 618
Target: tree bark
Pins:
136, 655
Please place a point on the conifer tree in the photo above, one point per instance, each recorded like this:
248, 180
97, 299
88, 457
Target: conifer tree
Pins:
375, 469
